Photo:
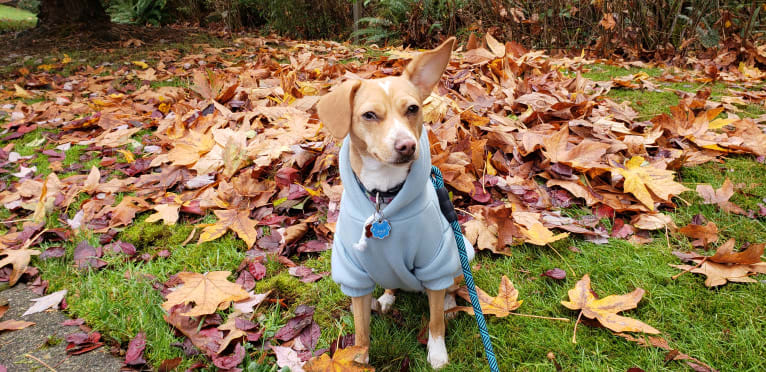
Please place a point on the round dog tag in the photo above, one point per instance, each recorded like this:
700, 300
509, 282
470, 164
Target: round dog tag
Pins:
380, 229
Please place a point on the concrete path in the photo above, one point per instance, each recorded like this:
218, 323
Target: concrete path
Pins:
16, 345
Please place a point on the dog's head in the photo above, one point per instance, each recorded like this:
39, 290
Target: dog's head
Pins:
383, 116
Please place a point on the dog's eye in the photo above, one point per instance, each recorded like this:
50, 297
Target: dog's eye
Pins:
369, 115
412, 109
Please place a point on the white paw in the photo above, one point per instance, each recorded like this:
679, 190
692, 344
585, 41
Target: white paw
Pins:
364, 359
449, 302
386, 302
437, 352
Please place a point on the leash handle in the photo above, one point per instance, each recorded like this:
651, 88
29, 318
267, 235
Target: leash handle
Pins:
445, 204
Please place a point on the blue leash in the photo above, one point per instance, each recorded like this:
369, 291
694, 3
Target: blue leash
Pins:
448, 210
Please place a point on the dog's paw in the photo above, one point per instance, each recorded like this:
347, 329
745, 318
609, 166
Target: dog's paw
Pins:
449, 302
437, 352
386, 302
374, 305
363, 358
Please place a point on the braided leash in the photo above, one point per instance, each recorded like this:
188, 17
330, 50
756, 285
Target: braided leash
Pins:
448, 210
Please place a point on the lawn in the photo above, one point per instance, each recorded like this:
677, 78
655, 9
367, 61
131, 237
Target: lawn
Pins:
722, 327
16, 19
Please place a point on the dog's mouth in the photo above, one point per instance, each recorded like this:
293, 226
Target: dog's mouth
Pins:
401, 160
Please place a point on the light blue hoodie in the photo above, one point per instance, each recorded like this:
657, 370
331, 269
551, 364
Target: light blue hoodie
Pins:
420, 251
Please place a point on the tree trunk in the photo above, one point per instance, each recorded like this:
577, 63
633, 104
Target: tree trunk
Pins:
56, 13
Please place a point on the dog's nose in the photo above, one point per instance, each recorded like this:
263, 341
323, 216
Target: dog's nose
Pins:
405, 147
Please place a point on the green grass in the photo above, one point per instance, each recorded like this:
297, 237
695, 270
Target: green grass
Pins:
16, 19
722, 327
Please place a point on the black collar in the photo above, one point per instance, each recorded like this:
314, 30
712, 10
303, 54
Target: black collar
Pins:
385, 196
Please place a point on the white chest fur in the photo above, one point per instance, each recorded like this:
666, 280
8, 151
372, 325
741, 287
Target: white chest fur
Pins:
376, 175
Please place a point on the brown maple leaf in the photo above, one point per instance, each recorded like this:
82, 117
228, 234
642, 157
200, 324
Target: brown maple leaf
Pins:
188, 149
237, 220
673, 354
720, 196
208, 292
499, 306
583, 156
640, 178
605, 310
19, 259
704, 234
343, 360
726, 265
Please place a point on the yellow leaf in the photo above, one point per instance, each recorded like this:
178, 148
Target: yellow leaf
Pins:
640, 178
344, 360
127, 154
66, 59
168, 213
499, 306
312, 192
237, 220
489, 168
212, 232
39, 215
141, 64
720, 123
21, 92
540, 235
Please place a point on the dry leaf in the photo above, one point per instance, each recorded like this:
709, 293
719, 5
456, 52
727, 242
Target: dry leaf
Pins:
726, 265
45, 302
343, 360
720, 197
639, 179
705, 234
14, 325
499, 306
605, 310
207, 292
237, 220
19, 258
540, 235
168, 213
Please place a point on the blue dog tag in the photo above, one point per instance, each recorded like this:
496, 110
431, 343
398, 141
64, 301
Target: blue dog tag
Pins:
380, 229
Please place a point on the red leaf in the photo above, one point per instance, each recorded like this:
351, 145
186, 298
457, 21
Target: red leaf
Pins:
134, 355
479, 193
556, 273
230, 361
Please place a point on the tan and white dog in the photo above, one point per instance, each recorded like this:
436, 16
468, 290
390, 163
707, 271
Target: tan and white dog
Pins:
384, 123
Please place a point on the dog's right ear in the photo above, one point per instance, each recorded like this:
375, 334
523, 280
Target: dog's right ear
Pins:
335, 108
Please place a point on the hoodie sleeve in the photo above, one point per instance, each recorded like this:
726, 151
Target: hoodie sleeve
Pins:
353, 279
438, 269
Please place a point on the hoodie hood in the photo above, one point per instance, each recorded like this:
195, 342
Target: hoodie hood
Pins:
409, 197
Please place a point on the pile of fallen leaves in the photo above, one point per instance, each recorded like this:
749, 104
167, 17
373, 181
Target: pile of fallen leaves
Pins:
516, 139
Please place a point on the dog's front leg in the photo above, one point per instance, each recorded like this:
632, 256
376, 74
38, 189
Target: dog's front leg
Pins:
360, 306
437, 350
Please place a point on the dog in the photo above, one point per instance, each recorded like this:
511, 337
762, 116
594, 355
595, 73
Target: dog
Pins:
390, 230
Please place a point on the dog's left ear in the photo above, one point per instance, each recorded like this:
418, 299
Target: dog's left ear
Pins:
425, 70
